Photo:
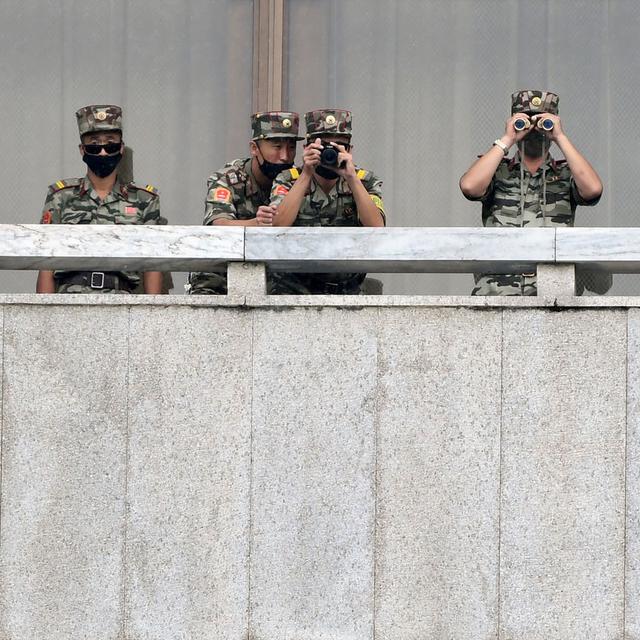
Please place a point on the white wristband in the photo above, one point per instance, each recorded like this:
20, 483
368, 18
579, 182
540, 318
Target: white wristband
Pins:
502, 145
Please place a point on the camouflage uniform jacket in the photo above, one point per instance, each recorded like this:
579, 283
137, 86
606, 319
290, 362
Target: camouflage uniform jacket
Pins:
232, 194
501, 202
501, 208
319, 209
75, 201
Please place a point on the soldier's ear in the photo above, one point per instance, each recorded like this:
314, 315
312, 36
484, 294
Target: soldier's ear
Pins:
253, 148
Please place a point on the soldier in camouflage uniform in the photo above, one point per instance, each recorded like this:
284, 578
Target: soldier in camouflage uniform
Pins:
321, 196
239, 193
99, 198
531, 189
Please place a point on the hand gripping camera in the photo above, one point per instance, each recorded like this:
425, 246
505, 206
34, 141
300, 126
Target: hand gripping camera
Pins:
520, 124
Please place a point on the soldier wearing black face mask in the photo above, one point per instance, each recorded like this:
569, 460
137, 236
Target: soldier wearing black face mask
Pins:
329, 191
100, 198
238, 194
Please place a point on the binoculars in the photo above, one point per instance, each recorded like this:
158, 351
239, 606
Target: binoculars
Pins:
520, 124
328, 155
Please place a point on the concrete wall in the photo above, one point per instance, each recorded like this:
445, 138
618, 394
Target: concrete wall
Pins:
397, 471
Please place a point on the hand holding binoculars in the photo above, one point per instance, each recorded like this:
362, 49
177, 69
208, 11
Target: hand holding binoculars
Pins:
520, 124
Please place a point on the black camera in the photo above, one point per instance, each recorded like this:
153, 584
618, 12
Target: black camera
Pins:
329, 155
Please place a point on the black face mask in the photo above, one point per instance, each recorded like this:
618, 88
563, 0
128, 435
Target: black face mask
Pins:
102, 166
271, 169
328, 174
533, 144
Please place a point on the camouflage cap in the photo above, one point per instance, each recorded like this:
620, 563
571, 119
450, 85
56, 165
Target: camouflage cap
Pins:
99, 117
328, 121
275, 124
534, 102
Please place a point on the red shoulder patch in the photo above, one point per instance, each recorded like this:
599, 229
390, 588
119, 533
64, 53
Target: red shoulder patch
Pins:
46, 217
281, 190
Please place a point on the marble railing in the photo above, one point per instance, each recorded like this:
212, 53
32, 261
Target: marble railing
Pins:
404, 250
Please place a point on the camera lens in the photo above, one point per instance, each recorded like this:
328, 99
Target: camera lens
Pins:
329, 156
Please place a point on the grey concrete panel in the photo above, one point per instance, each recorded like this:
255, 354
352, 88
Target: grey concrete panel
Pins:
562, 506
188, 481
438, 474
404, 250
612, 249
134, 247
63, 472
632, 572
313, 482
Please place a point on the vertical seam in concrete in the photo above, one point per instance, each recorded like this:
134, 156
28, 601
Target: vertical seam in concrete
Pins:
499, 582
626, 467
376, 428
251, 471
125, 527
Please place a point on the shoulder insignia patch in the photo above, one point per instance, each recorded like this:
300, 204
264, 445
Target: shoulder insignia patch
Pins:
151, 189
361, 174
64, 184
377, 200
295, 174
221, 195
46, 217
232, 177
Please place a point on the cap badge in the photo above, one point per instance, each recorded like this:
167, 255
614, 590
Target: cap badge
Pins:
286, 123
536, 101
330, 119
101, 115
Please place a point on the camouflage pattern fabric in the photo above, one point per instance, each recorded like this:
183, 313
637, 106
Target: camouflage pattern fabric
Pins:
275, 124
75, 201
328, 122
106, 117
319, 209
232, 194
534, 102
501, 208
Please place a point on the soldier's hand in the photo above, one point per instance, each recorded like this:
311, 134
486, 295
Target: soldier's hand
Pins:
311, 156
346, 168
557, 126
512, 133
264, 215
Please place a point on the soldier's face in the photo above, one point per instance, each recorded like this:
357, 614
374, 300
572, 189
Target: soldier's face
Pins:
276, 150
103, 143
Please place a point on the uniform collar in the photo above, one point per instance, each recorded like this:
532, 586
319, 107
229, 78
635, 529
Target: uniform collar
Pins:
551, 162
118, 191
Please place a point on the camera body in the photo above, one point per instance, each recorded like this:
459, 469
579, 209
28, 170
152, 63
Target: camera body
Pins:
329, 156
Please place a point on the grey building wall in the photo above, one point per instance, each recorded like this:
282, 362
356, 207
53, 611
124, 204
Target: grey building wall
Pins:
190, 469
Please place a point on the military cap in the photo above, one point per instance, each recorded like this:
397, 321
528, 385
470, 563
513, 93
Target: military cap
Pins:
275, 124
534, 102
328, 121
99, 117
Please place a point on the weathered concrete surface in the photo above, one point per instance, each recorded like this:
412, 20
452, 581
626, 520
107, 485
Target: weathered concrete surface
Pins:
438, 474
187, 547
63, 472
313, 474
563, 488
199, 470
632, 555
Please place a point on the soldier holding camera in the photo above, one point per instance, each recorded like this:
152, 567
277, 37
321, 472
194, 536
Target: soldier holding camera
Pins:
329, 191
531, 189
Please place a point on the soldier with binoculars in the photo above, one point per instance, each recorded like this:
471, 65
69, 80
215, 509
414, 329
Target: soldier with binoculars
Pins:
531, 189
